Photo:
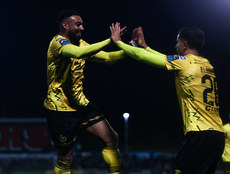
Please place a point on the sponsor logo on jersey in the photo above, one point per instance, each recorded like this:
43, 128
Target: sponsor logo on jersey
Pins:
172, 57
182, 58
64, 42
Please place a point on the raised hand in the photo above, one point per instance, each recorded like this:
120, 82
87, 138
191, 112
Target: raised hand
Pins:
133, 42
115, 32
140, 37
123, 30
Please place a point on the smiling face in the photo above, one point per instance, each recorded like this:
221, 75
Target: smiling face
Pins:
73, 28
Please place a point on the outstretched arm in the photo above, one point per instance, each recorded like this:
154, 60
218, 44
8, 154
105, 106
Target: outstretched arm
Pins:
74, 51
143, 55
139, 54
108, 57
140, 39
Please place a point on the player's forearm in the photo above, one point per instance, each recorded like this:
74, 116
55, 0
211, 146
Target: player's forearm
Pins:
142, 55
116, 56
84, 51
108, 57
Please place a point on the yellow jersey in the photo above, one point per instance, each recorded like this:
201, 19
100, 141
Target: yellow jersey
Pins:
226, 153
64, 78
197, 92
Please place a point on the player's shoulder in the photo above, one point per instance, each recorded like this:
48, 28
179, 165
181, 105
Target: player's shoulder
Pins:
227, 126
83, 43
59, 40
201, 61
197, 58
171, 58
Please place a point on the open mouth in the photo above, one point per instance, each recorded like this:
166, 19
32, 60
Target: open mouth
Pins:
78, 33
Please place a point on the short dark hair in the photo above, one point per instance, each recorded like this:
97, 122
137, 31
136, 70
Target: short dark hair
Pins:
194, 36
65, 14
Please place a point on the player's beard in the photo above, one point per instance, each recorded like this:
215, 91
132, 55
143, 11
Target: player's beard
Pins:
179, 51
74, 36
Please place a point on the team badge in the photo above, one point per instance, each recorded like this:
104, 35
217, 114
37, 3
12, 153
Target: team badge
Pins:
64, 42
62, 138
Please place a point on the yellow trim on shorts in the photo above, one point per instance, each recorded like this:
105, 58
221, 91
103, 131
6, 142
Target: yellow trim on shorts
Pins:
92, 119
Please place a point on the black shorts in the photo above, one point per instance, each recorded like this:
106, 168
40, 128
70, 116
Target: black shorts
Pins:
200, 153
63, 125
226, 167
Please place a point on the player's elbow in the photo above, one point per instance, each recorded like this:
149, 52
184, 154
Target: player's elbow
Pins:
111, 62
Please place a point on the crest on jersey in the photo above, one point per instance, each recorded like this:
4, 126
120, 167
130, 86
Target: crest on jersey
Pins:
64, 42
62, 138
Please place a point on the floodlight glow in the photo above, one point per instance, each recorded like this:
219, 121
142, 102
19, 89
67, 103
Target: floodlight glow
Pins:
126, 116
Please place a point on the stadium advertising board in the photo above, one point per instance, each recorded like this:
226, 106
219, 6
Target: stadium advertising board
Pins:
24, 135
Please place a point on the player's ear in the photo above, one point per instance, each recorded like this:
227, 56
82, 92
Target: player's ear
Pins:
64, 25
185, 44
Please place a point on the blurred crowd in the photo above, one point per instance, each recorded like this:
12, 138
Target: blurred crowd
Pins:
153, 163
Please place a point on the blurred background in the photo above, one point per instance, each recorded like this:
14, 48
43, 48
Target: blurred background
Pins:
148, 94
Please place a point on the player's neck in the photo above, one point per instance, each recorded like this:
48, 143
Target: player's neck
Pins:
64, 35
75, 42
191, 51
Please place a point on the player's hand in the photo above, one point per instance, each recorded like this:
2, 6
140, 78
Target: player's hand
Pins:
133, 42
123, 30
115, 32
140, 38
135, 34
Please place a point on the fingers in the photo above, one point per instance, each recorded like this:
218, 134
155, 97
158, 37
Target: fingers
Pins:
116, 26
134, 34
140, 30
124, 28
115, 31
112, 27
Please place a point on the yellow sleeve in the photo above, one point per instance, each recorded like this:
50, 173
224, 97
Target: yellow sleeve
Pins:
57, 44
142, 55
108, 57
226, 153
74, 51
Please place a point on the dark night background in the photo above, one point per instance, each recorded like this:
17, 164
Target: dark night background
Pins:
147, 93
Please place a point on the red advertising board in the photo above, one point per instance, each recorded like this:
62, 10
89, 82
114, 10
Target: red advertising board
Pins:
24, 135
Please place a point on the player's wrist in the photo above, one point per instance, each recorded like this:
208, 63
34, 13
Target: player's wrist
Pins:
145, 46
114, 40
136, 44
133, 43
